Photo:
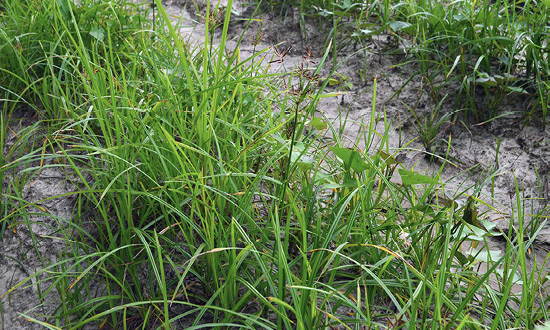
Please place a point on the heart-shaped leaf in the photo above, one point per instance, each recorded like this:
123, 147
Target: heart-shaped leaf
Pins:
320, 178
486, 256
304, 162
388, 159
410, 177
398, 25
351, 158
318, 123
545, 326
98, 33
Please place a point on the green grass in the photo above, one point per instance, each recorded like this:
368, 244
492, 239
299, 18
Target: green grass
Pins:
204, 192
497, 49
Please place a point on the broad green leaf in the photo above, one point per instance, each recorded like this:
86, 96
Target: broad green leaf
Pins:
518, 90
486, 256
471, 233
462, 258
323, 12
347, 86
410, 177
304, 162
516, 277
305, 166
545, 326
98, 33
491, 227
459, 18
346, 5
398, 25
64, 8
320, 178
364, 33
299, 146
349, 184
489, 81
318, 123
445, 201
470, 214
351, 158
344, 77
388, 159
502, 80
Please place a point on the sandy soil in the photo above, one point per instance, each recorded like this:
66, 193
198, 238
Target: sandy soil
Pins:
524, 148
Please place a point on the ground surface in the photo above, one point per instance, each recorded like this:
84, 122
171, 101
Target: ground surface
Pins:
524, 148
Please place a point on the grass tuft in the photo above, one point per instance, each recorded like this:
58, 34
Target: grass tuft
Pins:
205, 195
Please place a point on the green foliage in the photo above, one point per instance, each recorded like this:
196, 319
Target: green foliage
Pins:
431, 129
19, 149
496, 47
36, 59
195, 199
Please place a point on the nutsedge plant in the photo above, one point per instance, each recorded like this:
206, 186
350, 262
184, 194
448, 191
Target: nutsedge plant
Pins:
207, 196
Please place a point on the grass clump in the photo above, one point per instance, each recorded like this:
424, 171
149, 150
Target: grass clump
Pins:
497, 50
204, 195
